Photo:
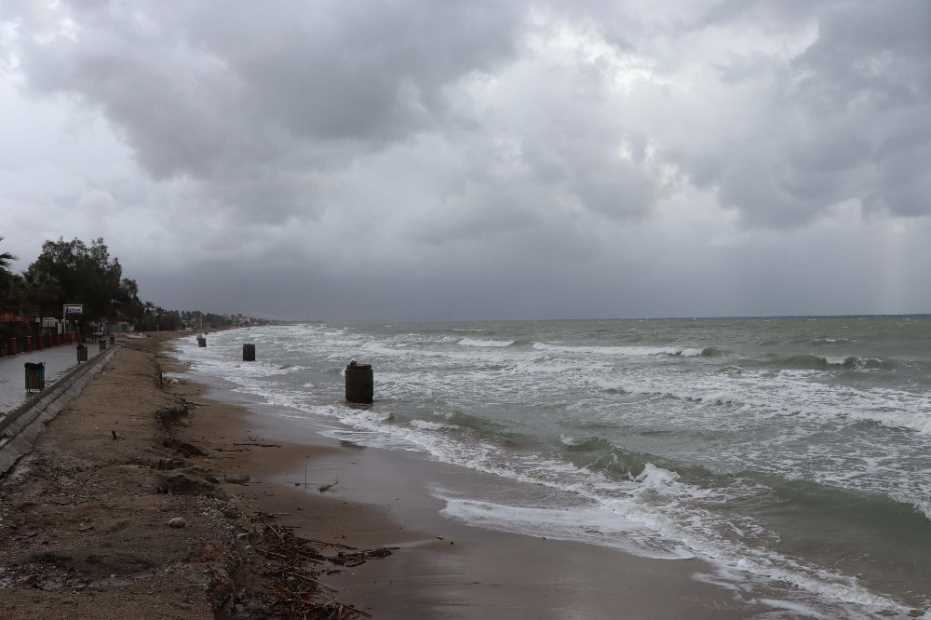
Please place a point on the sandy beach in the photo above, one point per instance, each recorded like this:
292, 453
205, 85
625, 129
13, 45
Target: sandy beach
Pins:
85, 524
443, 569
120, 512
440, 568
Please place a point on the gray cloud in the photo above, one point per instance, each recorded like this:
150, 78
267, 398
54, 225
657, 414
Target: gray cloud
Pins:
833, 117
484, 157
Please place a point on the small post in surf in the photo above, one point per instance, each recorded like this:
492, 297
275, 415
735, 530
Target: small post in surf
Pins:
248, 352
360, 384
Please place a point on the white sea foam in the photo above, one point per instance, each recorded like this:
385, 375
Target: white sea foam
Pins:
427, 425
689, 352
798, 610
636, 351
656, 477
570, 441
479, 342
592, 524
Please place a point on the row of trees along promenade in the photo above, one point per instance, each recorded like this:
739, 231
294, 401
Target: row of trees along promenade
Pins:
74, 272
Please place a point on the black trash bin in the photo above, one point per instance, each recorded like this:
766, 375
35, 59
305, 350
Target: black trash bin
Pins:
82, 352
202, 341
102, 344
35, 376
248, 352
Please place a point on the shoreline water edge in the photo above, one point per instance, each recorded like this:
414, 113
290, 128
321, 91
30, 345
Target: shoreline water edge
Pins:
451, 511
441, 568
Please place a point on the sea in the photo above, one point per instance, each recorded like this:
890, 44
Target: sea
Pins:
792, 455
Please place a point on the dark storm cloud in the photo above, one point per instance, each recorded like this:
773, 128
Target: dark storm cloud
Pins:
492, 157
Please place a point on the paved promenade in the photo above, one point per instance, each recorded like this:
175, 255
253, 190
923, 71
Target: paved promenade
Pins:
12, 375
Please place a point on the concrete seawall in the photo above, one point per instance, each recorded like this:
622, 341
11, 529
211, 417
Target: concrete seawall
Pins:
20, 427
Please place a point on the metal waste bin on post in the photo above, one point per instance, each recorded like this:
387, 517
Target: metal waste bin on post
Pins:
360, 384
82, 352
248, 352
35, 376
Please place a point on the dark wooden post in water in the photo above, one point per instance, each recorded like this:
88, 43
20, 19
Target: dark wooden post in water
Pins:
82, 353
202, 341
35, 376
360, 383
248, 352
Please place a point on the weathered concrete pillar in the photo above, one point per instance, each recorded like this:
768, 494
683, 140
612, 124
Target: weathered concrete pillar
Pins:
82, 352
248, 352
360, 383
35, 376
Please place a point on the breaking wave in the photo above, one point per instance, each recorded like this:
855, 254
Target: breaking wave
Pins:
807, 361
479, 342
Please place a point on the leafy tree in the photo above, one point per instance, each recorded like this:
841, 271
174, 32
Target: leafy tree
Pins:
73, 272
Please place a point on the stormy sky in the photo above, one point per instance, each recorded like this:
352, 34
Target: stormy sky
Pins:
478, 159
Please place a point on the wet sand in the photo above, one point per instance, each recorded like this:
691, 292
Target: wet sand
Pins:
441, 568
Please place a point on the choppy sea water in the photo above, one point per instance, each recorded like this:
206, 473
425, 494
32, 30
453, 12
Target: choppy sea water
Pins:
792, 454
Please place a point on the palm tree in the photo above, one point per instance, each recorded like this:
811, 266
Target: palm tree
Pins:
5, 259
6, 279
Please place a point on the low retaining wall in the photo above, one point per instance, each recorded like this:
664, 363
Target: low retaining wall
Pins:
20, 427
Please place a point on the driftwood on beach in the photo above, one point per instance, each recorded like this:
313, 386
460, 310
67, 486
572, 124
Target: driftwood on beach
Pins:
292, 588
